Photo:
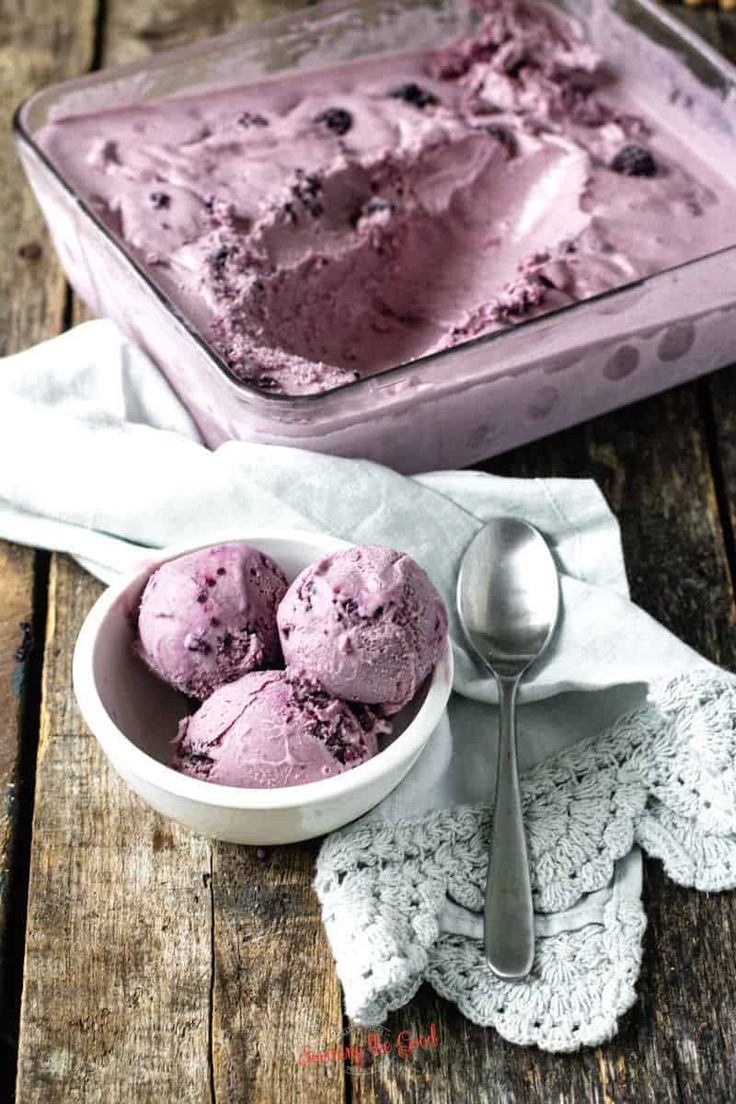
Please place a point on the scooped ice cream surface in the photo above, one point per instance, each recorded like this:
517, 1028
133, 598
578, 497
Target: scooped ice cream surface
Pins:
367, 623
210, 616
275, 728
330, 224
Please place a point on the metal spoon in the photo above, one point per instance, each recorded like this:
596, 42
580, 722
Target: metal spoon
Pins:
508, 600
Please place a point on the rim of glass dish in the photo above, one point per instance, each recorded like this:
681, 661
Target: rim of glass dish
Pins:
655, 11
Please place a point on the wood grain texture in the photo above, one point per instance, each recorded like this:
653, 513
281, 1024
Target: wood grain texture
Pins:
720, 390
116, 1000
721, 397
133, 30
16, 653
275, 990
38, 44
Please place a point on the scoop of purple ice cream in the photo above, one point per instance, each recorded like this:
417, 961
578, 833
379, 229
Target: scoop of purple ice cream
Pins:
210, 616
275, 728
367, 623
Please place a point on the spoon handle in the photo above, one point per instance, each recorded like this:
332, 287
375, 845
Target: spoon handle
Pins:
509, 915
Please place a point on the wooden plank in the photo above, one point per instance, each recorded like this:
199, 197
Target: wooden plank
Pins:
16, 653
275, 990
722, 399
116, 1000
38, 44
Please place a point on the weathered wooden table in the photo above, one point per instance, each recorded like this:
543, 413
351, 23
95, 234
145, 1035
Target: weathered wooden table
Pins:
140, 964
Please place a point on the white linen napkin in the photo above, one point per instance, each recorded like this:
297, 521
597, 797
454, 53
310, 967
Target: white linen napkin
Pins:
626, 736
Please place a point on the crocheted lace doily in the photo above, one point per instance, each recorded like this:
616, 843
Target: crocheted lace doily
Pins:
402, 901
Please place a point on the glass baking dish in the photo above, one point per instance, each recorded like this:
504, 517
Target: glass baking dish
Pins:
478, 398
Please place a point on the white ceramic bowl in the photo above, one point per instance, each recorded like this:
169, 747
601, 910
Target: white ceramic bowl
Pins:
134, 717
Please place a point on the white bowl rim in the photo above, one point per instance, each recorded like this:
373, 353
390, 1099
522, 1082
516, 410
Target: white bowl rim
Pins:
118, 746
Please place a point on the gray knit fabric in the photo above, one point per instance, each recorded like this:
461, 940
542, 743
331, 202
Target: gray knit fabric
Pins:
402, 901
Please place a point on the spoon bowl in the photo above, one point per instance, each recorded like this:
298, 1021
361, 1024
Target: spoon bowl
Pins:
508, 602
508, 595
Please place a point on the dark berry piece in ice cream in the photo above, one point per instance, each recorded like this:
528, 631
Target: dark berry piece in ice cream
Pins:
412, 93
248, 119
217, 259
336, 119
160, 200
634, 161
306, 190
